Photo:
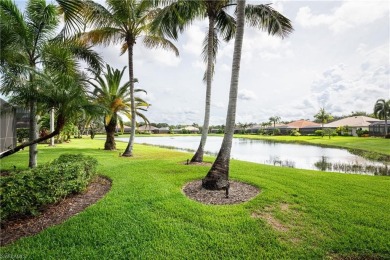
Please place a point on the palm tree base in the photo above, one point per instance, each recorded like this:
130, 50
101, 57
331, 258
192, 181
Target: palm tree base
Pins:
127, 154
215, 181
198, 156
110, 147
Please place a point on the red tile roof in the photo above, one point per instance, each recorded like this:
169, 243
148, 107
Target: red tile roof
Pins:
302, 123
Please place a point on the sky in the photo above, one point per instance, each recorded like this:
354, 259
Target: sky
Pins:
336, 58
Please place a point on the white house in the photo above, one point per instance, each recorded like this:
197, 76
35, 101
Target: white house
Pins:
354, 123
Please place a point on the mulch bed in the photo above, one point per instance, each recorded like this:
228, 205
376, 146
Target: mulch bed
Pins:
239, 192
55, 214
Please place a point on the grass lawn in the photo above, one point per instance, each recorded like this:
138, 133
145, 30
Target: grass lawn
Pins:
299, 214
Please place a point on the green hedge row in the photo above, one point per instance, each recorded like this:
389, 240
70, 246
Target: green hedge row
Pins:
24, 193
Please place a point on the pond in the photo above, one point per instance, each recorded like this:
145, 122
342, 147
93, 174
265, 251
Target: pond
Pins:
276, 153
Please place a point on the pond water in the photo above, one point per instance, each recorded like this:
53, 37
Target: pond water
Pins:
276, 153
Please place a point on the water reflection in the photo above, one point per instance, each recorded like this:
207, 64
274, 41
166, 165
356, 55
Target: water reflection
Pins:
323, 164
279, 154
276, 161
354, 167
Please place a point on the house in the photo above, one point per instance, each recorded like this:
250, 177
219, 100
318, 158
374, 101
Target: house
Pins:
378, 128
354, 123
304, 126
148, 129
7, 126
177, 131
22, 116
254, 129
191, 129
283, 128
163, 130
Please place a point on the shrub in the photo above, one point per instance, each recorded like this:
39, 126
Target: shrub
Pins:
295, 133
361, 132
319, 132
21, 133
24, 193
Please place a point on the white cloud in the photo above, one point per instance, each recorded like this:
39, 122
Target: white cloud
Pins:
164, 57
218, 105
245, 94
340, 89
198, 64
195, 36
350, 14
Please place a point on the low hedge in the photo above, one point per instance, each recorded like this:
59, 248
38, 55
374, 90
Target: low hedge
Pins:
24, 193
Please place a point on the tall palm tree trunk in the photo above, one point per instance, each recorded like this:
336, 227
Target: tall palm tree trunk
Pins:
33, 134
110, 135
198, 156
218, 176
129, 149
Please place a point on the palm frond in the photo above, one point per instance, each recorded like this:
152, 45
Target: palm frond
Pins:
104, 36
158, 41
97, 16
226, 25
214, 53
72, 11
176, 16
268, 19
43, 20
12, 18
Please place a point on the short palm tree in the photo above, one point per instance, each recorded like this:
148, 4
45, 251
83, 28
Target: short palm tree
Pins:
218, 176
274, 120
382, 111
27, 42
125, 22
114, 97
64, 92
323, 117
179, 13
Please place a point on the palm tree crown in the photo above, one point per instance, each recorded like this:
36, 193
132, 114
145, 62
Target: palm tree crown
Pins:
115, 99
125, 22
174, 17
382, 111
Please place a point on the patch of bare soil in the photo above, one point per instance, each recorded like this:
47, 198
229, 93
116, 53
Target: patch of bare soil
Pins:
273, 222
54, 214
239, 192
198, 163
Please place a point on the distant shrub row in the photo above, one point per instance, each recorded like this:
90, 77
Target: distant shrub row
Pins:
24, 193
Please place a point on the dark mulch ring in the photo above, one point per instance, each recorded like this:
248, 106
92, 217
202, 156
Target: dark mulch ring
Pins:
54, 214
239, 192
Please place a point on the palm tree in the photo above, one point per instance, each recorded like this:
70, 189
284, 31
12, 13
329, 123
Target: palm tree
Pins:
115, 99
274, 120
179, 13
23, 38
64, 92
218, 176
382, 111
27, 42
323, 117
124, 22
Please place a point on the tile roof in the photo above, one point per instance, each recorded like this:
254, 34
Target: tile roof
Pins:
353, 121
302, 123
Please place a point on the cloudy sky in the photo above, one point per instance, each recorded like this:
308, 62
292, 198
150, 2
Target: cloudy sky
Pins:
336, 58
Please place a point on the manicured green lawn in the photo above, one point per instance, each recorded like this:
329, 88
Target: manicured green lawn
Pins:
373, 144
299, 214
